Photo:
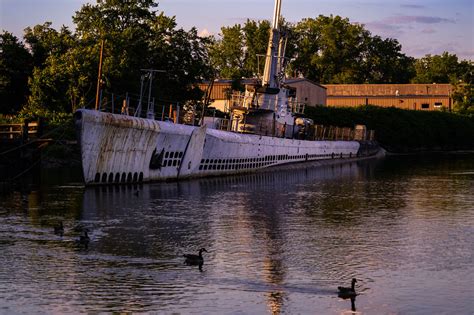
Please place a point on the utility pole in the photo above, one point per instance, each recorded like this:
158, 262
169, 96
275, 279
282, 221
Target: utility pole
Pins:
99, 77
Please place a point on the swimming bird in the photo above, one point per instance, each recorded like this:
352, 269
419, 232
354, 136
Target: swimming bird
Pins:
78, 228
192, 259
59, 229
345, 292
84, 239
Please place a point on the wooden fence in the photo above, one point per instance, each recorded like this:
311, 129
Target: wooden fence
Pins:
19, 132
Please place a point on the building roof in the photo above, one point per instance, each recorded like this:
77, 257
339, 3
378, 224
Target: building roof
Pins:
339, 90
221, 86
297, 80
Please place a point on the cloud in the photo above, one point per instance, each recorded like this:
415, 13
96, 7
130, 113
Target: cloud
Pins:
428, 31
394, 26
204, 33
413, 6
420, 50
406, 19
381, 26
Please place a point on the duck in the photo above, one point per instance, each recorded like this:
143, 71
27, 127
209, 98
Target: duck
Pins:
84, 239
78, 228
192, 259
59, 229
345, 292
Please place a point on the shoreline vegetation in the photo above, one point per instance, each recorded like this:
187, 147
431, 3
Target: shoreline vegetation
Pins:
403, 131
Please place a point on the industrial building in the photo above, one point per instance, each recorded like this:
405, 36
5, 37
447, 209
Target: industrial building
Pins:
405, 96
307, 91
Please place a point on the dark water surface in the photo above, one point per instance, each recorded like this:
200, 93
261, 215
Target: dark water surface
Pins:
278, 243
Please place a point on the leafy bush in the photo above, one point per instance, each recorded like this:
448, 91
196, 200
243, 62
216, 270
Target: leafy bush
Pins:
399, 130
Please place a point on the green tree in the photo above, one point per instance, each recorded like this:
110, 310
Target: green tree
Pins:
241, 50
184, 57
228, 54
256, 35
443, 68
52, 81
44, 41
136, 37
16, 65
463, 97
139, 37
446, 68
333, 50
384, 62
126, 28
329, 49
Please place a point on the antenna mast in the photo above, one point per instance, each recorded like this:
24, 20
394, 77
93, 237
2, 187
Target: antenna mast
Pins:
148, 74
271, 61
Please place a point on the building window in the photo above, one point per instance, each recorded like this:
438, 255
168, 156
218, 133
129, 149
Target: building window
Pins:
425, 106
438, 104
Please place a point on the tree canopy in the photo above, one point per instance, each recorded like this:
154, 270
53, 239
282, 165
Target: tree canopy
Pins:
136, 37
326, 49
56, 70
331, 50
444, 68
15, 66
240, 50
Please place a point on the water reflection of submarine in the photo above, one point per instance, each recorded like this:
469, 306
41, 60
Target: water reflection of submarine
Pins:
284, 177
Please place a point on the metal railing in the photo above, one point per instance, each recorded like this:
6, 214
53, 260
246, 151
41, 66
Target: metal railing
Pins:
264, 127
239, 100
313, 132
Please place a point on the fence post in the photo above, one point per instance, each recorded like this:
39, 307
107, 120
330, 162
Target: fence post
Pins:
24, 132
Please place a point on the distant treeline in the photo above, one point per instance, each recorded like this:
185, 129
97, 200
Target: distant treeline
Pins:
399, 130
54, 70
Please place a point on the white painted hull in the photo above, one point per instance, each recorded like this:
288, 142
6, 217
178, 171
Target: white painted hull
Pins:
123, 149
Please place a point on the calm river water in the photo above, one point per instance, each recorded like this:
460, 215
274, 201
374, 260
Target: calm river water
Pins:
278, 243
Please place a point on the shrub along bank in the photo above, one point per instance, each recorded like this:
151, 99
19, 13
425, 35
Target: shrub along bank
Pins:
399, 130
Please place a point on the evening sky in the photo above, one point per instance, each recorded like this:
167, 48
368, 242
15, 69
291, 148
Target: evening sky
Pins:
421, 26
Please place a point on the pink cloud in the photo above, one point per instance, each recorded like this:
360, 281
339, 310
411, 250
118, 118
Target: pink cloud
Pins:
405, 19
428, 31
413, 6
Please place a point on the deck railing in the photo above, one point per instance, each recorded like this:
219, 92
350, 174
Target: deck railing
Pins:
311, 132
243, 101
175, 113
